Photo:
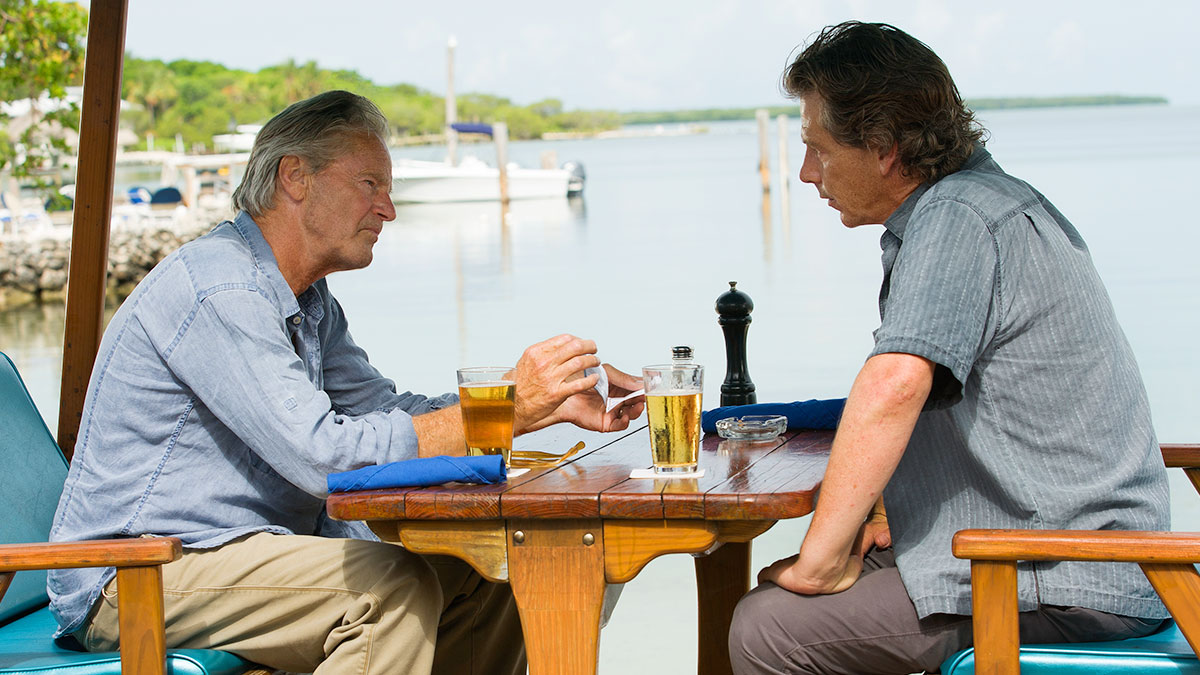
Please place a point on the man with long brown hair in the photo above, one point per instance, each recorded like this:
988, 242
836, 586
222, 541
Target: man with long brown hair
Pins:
1001, 392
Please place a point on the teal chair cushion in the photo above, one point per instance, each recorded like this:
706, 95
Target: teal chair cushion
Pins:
26, 647
1166, 651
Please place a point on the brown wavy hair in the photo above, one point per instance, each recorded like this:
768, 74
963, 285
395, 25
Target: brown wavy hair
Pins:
881, 86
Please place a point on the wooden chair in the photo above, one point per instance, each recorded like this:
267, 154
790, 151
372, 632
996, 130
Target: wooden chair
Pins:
1167, 558
33, 473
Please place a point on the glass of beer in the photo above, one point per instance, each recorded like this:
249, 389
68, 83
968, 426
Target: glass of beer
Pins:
673, 394
486, 398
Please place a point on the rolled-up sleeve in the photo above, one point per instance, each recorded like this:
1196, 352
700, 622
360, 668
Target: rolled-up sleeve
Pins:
940, 302
271, 405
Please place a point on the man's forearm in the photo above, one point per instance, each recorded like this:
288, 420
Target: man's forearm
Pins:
440, 432
880, 413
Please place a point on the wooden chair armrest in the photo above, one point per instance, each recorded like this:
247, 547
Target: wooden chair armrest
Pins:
139, 587
98, 553
1106, 545
1180, 455
1167, 559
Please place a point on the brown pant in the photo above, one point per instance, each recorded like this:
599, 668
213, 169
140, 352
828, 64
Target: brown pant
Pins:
333, 606
872, 627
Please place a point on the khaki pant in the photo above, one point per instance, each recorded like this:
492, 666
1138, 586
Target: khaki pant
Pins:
333, 606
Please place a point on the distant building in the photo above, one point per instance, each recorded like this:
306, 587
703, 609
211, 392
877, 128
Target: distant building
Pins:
241, 141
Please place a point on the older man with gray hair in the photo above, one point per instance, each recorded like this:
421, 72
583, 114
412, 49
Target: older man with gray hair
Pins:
227, 387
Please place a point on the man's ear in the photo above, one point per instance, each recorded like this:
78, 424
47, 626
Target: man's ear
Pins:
889, 160
293, 177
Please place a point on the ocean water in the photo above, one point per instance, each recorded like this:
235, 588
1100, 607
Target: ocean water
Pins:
667, 221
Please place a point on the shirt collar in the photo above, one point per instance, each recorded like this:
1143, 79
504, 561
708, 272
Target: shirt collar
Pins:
264, 258
897, 223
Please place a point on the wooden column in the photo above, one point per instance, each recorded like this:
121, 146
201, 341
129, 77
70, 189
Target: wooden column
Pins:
93, 209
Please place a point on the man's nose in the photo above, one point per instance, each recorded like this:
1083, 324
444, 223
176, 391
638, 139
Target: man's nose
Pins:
385, 208
808, 170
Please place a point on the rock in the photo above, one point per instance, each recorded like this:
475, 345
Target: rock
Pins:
52, 280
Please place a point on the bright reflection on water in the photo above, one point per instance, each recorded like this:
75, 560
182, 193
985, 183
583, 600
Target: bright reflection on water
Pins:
667, 221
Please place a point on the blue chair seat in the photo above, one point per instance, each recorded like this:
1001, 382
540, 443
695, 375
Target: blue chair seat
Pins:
1166, 651
26, 647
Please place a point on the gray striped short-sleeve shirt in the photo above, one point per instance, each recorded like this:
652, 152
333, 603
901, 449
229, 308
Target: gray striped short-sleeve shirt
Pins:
1038, 417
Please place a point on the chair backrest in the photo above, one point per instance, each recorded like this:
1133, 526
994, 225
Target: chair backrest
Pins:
32, 472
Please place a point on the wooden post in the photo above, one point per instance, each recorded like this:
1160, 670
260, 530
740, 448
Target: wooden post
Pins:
140, 617
87, 273
725, 576
994, 595
191, 186
451, 105
500, 134
785, 210
764, 162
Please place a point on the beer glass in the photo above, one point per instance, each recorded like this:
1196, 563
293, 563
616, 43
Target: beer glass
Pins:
673, 394
486, 398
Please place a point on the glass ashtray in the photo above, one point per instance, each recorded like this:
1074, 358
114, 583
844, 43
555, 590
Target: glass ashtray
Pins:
752, 427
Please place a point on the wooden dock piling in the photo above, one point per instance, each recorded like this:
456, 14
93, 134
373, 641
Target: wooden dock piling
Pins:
500, 135
764, 162
785, 178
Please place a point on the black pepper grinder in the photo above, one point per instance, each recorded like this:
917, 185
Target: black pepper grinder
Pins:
734, 308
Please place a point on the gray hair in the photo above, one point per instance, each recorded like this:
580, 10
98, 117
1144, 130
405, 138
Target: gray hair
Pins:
315, 130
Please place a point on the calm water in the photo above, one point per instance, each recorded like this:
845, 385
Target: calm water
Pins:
667, 221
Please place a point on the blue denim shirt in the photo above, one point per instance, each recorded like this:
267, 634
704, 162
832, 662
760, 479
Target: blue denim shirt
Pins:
1038, 418
218, 403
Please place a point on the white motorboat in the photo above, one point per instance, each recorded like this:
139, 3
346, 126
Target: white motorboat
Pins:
473, 180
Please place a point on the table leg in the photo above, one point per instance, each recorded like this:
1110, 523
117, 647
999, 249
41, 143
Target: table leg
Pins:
722, 578
556, 568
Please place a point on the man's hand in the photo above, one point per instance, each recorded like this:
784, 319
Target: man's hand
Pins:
587, 409
874, 533
545, 377
790, 574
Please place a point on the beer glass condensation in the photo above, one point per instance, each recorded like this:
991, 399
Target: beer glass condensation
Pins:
673, 393
486, 398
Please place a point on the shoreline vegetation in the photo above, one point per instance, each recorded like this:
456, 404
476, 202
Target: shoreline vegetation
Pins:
196, 100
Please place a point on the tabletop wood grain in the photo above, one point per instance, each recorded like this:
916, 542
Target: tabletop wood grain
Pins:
742, 480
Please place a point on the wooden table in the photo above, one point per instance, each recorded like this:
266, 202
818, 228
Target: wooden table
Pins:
560, 534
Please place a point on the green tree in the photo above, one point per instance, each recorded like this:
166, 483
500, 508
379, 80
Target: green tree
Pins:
151, 84
197, 99
41, 54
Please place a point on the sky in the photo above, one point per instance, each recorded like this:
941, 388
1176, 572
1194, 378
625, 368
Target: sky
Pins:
675, 54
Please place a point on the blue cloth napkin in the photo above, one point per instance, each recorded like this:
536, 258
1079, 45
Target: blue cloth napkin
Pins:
420, 472
810, 414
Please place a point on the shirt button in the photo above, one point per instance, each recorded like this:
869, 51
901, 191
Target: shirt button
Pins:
297, 319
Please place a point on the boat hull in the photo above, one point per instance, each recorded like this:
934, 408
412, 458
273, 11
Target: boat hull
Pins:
451, 184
